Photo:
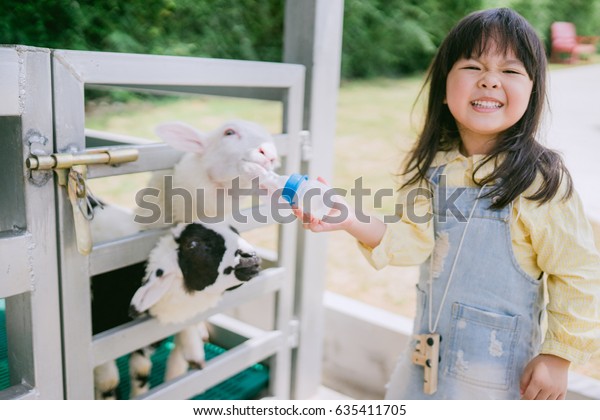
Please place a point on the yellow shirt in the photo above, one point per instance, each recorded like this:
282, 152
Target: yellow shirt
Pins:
554, 238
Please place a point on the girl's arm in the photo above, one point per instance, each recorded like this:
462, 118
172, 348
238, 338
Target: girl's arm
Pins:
564, 246
366, 229
407, 241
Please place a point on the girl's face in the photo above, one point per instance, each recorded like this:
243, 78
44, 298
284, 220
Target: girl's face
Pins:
487, 95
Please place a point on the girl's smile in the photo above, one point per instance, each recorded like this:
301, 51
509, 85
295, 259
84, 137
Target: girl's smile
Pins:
486, 104
487, 95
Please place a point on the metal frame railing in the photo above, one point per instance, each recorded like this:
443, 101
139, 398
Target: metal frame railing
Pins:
72, 72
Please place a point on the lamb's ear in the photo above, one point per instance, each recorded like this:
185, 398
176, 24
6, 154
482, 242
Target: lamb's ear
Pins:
182, 136
151, 292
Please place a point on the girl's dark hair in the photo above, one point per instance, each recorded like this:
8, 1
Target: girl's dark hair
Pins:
522, 156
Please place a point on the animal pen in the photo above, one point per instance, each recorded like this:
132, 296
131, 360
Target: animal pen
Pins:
48, 350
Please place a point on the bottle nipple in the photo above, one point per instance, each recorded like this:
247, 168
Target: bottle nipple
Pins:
270, 180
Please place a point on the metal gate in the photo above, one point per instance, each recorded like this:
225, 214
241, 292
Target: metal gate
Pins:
72, 72
45, 281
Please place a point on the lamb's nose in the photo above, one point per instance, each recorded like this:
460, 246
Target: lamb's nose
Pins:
248, 260
248, 267
270, 156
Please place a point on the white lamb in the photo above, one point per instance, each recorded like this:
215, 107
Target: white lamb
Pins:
228, 157
217, 162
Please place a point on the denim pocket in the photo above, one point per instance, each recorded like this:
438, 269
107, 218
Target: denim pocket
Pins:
482, 347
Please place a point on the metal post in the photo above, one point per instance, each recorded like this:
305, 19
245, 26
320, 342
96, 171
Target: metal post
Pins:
75, 285
28, 266
313, 37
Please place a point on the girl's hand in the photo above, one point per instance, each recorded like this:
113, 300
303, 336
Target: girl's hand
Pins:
341, 217
366, 229
545, 378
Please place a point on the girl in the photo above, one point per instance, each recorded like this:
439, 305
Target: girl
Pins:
504, 217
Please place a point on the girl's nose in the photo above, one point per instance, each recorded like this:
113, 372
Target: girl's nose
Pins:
489, 81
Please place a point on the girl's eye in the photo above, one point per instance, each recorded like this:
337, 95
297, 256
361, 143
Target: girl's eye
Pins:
471, 68
230, 132
512, 72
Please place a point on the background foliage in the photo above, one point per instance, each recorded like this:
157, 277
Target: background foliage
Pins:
381, 37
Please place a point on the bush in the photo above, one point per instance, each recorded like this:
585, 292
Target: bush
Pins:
381, 37
392, 37
541, 13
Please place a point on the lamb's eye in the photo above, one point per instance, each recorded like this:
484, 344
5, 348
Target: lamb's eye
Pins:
159, 272
230, 132
193, 244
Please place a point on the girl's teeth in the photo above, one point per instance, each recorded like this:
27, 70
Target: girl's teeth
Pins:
486, 104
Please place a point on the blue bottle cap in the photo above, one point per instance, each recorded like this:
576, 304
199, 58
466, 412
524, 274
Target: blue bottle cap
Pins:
291, 186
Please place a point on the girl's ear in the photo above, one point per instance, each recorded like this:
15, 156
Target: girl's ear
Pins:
182, 137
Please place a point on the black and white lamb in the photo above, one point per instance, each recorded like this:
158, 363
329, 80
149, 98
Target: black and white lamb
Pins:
238, 150
211, 258
187, 272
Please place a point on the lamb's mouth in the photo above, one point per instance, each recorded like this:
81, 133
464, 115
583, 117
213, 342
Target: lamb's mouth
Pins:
247, 268
257, 168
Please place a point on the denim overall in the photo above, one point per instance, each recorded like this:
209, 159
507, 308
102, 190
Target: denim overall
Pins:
489, 320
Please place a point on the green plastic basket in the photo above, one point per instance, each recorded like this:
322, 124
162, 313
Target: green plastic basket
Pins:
247, 384
4, 374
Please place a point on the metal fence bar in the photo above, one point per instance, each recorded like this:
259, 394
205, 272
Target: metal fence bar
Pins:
268, 94
121, 139
14, 263
151, 71
152, 157
157, 156
19, 392
221, 367
105, 137
122, 252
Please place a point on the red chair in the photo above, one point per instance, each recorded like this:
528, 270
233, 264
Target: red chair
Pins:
567, 46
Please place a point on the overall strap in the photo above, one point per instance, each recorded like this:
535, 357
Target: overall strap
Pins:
434, 174
432, 324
